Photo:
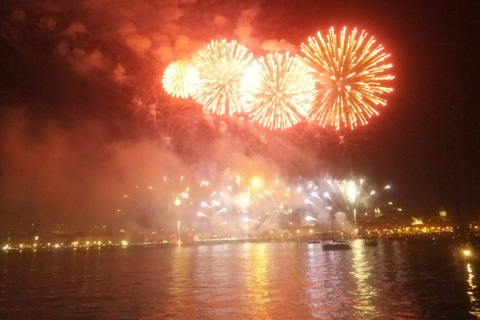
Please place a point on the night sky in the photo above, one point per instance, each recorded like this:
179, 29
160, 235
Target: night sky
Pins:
84, 117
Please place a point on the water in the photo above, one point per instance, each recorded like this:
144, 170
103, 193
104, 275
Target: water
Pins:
271, 280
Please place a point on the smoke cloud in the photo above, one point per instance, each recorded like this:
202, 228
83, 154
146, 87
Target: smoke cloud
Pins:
102, 144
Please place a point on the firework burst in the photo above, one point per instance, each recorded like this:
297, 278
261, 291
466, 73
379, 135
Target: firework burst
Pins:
221, 66
278, 91
350, 73
180, 79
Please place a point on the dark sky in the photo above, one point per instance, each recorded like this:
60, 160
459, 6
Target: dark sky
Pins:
84, 117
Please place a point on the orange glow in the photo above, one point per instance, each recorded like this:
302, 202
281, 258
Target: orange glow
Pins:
256, 182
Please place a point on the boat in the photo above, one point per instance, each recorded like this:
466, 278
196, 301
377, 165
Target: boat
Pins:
336, 245
333, 244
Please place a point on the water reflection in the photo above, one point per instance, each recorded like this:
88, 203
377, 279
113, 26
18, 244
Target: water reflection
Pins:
328, 283
258, 280
472, 292
290, 280
365, 293
179, 281
212, 274
393, 279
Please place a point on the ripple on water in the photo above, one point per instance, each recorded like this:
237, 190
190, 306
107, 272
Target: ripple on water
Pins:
271, 280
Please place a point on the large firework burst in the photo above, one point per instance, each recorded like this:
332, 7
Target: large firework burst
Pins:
180, 79
350, 73
278, 90
221, 66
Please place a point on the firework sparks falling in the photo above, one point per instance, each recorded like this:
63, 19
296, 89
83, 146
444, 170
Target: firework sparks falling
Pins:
278, 90
349, 74
180, 79
239, 204
221, 66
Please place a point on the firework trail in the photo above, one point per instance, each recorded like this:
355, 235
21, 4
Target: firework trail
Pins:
221, 66
350, 72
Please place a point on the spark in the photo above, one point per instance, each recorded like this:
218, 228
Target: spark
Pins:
278, 90
221, 66
350, 73
351, 191
180, 79
256, 182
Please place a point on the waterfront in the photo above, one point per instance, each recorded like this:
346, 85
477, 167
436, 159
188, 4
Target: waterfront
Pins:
262, 280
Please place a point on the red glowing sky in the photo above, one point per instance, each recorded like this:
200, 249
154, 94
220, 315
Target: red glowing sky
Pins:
84, 116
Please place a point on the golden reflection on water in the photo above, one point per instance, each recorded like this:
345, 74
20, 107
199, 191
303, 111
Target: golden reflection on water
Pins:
258, 281
179, 278
211, 275
316, 284
365, 293
475, 310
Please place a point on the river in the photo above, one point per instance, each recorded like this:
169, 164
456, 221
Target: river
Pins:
252, 280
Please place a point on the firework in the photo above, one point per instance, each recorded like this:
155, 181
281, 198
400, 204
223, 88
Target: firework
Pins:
243, 204
180, 79
278, 90
221, 66
350, 73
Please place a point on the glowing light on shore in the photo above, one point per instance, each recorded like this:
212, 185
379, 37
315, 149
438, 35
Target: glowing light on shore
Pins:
350, 77
278, 91
221, 66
